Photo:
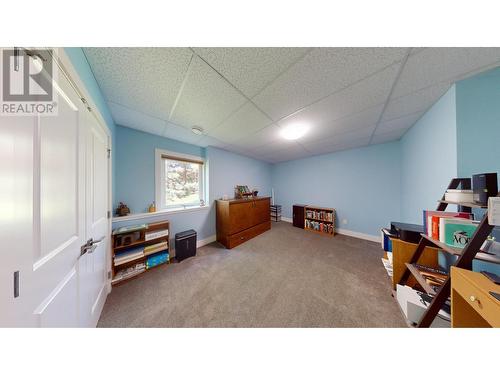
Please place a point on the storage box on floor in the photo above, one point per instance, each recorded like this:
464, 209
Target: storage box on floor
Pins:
400, 241
413, 303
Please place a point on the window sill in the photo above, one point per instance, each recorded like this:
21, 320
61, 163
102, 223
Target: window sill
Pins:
146, 215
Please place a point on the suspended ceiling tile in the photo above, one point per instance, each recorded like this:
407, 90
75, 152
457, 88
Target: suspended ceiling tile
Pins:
146, 79
181, 133
321, 72
251, 69
367, 95
206, 141
434, 65
329, 148
363, 120
245, 121
389, 136
361, 135
265, 136
401, 123
206, 98
292, 152
415, 102
136, 120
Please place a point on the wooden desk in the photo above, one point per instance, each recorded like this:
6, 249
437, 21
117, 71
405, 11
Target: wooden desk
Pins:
471, 303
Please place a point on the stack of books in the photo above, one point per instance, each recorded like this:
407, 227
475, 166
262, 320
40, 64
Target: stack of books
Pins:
459, 196
129, 272
160, 246
154, 235
157, 259
129, 229
128, 255
455, 229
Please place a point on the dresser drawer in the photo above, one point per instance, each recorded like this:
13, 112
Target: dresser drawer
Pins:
245, 235
477, 298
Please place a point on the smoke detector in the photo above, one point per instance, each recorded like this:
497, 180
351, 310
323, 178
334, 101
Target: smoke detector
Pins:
197, 130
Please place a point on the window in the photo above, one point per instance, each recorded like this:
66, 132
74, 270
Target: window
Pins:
180, 180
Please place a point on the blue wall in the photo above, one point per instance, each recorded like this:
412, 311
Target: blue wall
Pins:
82, 67
478, 130
428, 158
363, 185
478, 124
135, 181
135, 165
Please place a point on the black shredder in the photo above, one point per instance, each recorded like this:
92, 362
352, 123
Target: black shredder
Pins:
185, 244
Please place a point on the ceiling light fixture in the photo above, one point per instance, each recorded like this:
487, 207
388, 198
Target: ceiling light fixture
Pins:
294, 131
197, 130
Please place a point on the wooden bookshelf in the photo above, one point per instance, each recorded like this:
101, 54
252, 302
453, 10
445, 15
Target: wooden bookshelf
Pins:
320, 220
465, 256
136, 237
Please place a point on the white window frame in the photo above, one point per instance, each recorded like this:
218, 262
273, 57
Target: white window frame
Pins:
160, 178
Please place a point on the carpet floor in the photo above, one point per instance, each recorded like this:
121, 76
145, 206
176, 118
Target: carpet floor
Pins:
286, 277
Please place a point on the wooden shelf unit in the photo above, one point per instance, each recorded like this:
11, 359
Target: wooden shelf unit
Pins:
465, 257
317, 217
141, 241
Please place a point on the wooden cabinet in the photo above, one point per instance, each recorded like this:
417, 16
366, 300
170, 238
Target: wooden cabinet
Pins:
239, 220
298, 215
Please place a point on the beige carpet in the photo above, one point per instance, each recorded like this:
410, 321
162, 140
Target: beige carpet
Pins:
286, 277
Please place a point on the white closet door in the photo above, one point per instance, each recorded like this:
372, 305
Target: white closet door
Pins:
93, 266
47, 163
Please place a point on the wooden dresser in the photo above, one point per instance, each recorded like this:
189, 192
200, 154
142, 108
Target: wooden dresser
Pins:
239, 220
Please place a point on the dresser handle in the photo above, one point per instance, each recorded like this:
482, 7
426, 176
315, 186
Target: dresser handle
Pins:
473, 298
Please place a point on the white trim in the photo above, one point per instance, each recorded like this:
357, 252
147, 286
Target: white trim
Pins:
346, 232
146, 215
160, 177
360, 235
206, 241
179, 155
68, 67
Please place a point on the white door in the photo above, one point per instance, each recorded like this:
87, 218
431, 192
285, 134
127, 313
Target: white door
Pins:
46, 166
93, 266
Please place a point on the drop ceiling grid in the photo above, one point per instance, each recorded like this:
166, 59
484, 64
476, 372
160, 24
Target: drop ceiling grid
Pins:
249, 99
396, 55
147, 65
417, 88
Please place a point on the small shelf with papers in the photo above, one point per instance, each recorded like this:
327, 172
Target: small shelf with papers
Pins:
139, 249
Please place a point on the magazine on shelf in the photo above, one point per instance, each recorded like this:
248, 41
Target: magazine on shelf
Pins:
456, 232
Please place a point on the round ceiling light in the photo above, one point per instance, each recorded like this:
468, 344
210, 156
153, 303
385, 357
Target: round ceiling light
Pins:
294, 131
197, 130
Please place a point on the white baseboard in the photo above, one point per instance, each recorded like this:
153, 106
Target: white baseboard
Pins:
360, 235
206, 241
346, 232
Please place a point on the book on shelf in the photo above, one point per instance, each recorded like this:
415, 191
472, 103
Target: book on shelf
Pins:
428, 215
459, 196
456, 232
131, 228
130, 272
156, 234
157, 259
128, 255
160, 246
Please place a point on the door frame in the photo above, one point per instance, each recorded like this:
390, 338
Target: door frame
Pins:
64, 63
